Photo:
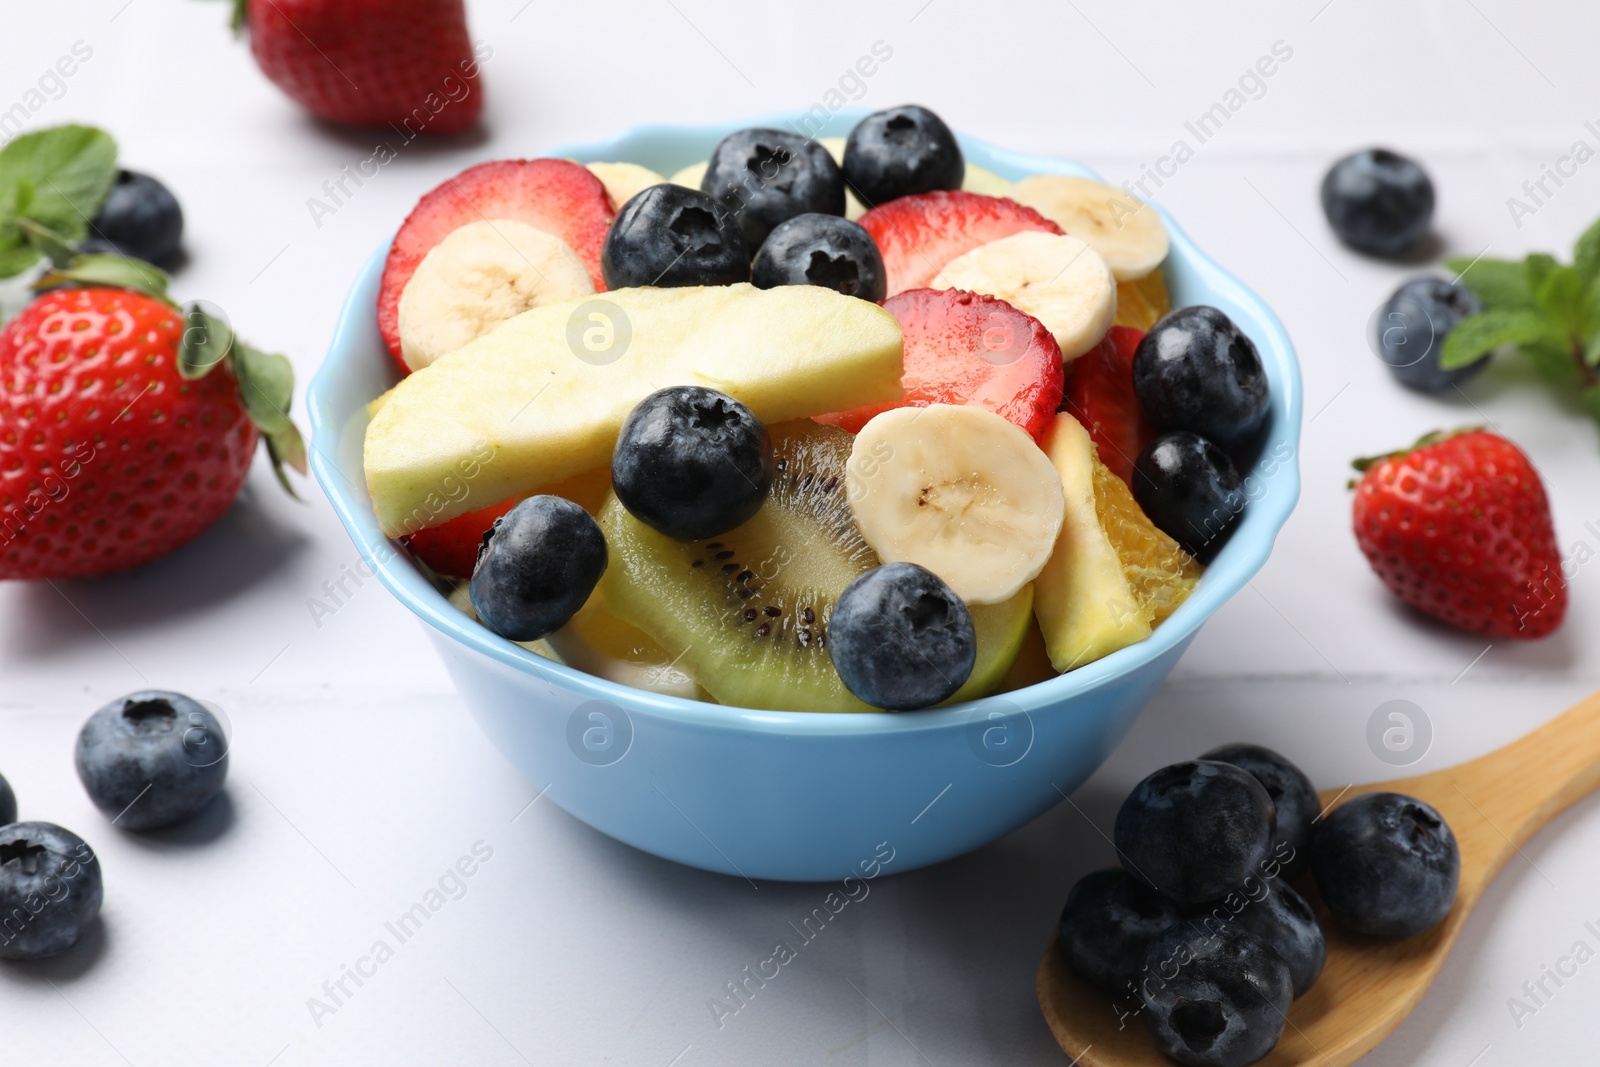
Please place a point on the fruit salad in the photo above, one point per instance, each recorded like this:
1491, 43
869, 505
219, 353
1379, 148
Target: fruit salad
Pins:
837, 425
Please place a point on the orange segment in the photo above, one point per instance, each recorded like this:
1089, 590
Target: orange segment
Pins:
1161, 574
1142, 301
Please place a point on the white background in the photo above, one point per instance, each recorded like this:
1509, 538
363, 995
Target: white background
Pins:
357, 775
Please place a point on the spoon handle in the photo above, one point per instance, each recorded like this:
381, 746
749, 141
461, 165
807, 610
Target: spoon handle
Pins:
1519, 788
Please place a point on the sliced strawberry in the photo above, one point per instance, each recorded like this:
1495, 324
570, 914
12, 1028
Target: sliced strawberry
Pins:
451, 548
1100, 395
965, 348
554, 195
919, 234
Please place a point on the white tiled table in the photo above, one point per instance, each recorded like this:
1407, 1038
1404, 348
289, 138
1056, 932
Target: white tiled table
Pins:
358, 778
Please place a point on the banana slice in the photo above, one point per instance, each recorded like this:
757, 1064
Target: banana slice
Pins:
482, 274
960, 491
624, 180
835, 146
1128, 234
691, 174
1059, 280
985, 181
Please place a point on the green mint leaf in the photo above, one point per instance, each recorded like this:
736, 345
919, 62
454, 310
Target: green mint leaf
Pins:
16, 257
118, 272
48, 243
1538, 266
1552, 362
1477, 334
1562, 298
266, 384
1591, 351
1586, 253
1590, 399
206, 341
1501, 285
70, 169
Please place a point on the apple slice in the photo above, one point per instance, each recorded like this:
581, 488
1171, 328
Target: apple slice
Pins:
543, 395
1083, 600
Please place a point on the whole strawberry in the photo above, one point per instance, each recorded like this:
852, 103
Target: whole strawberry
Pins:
1459, 527
110, 455
405, 63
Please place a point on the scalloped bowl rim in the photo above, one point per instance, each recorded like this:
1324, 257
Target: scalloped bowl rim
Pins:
1244, 555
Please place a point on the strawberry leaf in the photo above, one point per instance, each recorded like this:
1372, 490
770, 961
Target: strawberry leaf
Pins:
1478, 334
117, 272
266, 384
1500, 284
286, 447
237, 21
207, 340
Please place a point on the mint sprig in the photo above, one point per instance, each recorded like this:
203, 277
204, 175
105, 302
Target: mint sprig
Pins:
57, 179
1547, 311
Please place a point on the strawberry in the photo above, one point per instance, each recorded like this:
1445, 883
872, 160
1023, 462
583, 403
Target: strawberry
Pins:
405, 63
1459, 527
553, 195
965, 348
451, 548
1100, 395
109, 456
919, 234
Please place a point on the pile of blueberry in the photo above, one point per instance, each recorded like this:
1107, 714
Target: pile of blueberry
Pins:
770, 209
148, 760
1200, 382
1200, 931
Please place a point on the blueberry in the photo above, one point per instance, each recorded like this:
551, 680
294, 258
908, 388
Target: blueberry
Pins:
1293, 796
669, 236
1196, 830
901, 639
537, 565
900, 151
140, 218
1108, 922
1413, 326
8, 803
1378, 201
152, 758
1191, 490
1195, 370
765, 177
692, 462
1386, 864
50, 890
1226, 1000
1280, 917
824, 250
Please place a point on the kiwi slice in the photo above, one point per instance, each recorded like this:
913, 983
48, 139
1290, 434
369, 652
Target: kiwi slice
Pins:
746, 613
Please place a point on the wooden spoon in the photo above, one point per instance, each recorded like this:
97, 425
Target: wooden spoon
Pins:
1493, 804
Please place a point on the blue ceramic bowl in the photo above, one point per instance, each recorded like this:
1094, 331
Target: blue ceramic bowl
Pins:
789, 795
